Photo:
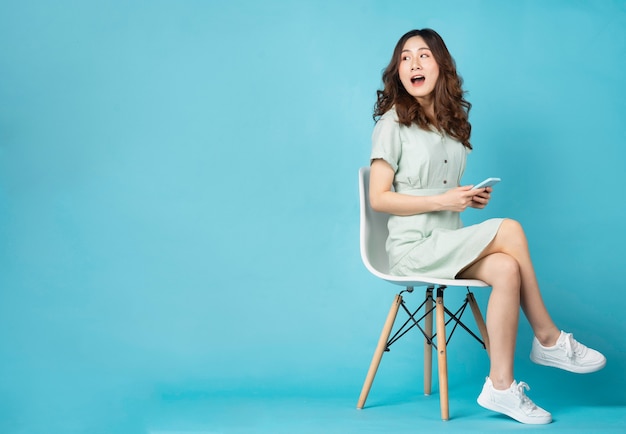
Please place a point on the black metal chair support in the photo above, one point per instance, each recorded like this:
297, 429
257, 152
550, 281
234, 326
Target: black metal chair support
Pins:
413, 322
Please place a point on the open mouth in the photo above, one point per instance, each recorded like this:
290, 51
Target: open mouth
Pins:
418, 79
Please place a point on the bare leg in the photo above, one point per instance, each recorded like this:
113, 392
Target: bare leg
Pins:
505, 264
501, 271
511, 241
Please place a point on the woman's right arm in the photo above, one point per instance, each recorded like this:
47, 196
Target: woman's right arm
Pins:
382, 199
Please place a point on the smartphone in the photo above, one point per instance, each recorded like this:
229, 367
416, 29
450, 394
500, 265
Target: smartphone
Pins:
486, 183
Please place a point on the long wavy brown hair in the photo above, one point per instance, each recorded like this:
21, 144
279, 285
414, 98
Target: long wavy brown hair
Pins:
451, 108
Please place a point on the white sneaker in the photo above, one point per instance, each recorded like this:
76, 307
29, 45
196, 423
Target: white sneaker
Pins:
568, 354
513, 402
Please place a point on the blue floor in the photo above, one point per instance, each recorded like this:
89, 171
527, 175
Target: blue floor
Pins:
186, 412
419, 414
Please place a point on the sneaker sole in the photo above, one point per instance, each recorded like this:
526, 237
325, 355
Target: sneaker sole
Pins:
520, 418
571, 368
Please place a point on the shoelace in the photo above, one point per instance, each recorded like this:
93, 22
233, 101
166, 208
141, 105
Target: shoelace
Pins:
525, 401
572, 346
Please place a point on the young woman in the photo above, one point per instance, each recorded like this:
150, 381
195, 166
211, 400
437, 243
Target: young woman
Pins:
419, 147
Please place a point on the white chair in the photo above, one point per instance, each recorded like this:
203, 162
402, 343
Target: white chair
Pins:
373, 253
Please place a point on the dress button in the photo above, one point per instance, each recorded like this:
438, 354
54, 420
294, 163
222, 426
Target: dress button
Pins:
445, 182
445, 161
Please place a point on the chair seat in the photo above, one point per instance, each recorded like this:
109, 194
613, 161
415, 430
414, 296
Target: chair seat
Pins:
418, 280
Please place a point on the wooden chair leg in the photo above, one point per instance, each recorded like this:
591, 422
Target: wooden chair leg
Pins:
480, 322
380, 349
428, 348
442, 356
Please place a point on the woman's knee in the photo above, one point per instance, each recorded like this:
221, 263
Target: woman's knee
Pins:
504, 271
511, 226
511, 231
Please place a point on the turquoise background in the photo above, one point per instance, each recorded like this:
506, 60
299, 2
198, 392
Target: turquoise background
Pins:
179, 210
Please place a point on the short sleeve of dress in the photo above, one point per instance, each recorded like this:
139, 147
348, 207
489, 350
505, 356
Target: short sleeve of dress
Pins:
386, 143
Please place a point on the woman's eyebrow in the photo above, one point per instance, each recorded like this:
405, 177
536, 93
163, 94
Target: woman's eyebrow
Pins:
419, 49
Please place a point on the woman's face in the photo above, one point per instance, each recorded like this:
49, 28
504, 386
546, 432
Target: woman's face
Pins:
418, 69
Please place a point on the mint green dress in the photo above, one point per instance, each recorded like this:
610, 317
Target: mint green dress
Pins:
427, 162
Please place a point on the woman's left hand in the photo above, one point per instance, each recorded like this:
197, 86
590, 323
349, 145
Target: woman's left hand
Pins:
481, 199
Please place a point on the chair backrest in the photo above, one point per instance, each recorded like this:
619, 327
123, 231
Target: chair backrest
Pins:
374, 230
373, 237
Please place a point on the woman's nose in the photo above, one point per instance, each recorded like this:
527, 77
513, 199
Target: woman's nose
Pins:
415, 65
